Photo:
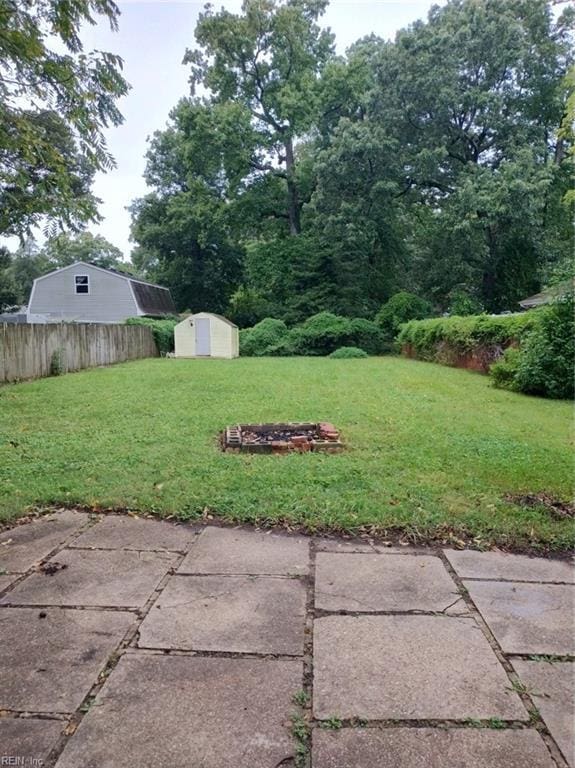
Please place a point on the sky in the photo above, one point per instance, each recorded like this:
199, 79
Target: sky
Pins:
152, 40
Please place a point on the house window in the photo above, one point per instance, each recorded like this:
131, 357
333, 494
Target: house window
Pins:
82, 283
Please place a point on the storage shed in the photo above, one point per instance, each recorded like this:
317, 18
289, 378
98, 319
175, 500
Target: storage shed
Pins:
206, 335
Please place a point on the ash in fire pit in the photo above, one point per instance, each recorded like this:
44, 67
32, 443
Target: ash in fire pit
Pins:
281, 438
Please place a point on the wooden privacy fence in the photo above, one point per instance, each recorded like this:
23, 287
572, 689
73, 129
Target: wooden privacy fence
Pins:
33, 351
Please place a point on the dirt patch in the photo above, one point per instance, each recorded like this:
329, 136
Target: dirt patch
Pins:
555, 508
49, 569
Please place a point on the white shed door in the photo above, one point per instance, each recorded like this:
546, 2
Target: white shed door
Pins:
203, 347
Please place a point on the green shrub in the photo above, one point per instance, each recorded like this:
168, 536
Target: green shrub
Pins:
255, 341
545, 363
401, 308
503, 372
368, 336
343, 353
284, 348
57, 362
462, 303
320, 334
428, 338
162, 330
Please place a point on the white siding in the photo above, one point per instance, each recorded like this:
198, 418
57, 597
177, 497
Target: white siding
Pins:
224, 337
110, 299
185, 339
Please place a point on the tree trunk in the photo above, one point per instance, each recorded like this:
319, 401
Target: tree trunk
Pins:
489, 279
293, 198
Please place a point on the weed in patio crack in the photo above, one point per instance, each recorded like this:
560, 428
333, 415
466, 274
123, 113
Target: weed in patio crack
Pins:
301, 733
331, 724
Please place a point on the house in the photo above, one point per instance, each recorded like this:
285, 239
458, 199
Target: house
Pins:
548, 295
84, 293
206, 335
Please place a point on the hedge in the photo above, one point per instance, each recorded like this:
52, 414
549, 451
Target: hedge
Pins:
439, 338
533, 352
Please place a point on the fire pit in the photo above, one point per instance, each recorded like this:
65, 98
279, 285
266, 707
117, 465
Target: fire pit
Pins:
281, 438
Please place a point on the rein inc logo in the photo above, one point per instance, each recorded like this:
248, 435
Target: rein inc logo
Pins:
21, 761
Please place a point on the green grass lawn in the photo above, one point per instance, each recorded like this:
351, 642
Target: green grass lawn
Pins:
430, 449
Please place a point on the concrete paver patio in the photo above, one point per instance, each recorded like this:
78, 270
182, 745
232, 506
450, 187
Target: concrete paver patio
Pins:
127, 641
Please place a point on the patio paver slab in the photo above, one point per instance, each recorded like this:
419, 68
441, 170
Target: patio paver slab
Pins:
28, 740
527, 618
7, 579
408, 667
244, 614
552, 687
326, 544
187, 712
429, 748
231, 550
95, 578
23, 546
123, 532
361, 582
501, 565
49, 663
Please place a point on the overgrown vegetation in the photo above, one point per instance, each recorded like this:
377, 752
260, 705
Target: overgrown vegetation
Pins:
295, 181
544, 364
401, 308
533, 352
320, 334
431, 451
162, 330
433, 339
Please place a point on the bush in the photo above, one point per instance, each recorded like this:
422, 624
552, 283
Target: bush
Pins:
368, 336
544, 364
428, 339
344, 353
255, 341
401, 308
503, 372
162, 330
57, 362
462, 303
320, 334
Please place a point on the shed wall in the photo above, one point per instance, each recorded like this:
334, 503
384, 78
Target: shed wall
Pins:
185, 339
224, 338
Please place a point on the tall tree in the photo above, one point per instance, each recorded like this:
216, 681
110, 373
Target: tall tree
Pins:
182, 228
475, 97
55, 100
269, 59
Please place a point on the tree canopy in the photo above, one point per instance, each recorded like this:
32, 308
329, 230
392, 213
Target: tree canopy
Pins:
55, 100
293, 181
